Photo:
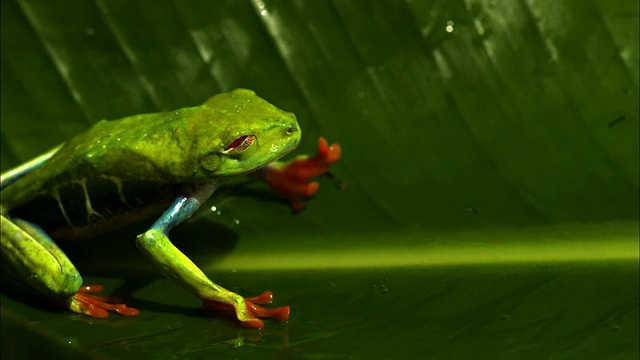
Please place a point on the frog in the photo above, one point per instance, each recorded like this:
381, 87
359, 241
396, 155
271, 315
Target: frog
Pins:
160, 166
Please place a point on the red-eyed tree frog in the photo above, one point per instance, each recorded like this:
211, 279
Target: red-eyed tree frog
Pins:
167, 164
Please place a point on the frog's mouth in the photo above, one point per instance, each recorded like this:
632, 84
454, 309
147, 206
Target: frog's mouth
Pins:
283, 150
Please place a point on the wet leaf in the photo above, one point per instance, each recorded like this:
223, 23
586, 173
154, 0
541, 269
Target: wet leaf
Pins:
490, 162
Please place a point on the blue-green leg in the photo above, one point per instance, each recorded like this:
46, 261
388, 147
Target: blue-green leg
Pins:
176, 266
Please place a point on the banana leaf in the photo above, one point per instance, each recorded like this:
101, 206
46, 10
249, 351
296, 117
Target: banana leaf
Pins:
485, 206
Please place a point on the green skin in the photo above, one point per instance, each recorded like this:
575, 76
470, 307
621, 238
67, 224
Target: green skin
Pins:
183, 154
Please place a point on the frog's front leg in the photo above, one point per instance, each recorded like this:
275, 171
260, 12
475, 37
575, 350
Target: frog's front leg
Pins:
177, 266
291, 179
33, 260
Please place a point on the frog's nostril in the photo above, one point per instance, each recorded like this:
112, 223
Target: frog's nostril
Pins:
289, 130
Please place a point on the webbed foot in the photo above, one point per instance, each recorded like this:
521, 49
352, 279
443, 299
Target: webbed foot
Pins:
253, 311
84, 302
290, 179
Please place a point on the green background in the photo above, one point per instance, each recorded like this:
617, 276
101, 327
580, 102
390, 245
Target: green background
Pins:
490, 156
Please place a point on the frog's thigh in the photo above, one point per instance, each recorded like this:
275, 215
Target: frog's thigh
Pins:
34, 260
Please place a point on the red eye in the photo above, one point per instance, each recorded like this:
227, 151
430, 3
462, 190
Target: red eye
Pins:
242, 143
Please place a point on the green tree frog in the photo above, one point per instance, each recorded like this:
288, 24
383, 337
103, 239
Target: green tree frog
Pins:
167, 164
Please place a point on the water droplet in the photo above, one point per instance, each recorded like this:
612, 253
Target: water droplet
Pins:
504, 317
449, 27
470, 210
214, 208
263, 10
236, 222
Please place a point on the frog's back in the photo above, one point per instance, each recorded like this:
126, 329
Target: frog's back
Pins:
88, 186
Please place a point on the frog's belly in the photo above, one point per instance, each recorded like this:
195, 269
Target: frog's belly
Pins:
73, 211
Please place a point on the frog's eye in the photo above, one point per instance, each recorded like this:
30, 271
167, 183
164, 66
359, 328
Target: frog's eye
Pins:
240, 144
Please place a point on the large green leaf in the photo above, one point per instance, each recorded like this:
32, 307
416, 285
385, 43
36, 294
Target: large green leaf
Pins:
490, 156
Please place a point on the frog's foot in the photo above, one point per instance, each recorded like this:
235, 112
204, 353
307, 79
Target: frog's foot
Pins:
250, 317
84, 302
290, 179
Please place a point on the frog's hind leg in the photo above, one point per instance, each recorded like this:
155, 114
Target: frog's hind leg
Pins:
33, 260
14, 174
28, 255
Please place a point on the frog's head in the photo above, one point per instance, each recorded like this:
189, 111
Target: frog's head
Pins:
250, 133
